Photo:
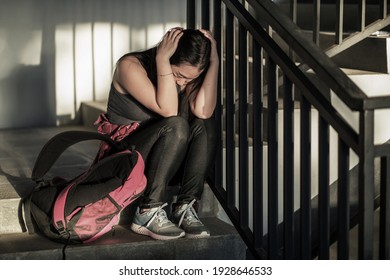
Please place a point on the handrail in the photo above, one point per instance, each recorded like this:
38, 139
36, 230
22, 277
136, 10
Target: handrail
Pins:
282, 60
331, 74
276, 83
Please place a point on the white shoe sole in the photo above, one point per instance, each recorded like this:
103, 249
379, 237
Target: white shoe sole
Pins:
144, 231
200, 235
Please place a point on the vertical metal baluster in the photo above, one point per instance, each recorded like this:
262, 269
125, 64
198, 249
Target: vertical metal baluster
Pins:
293, 16
339, 22
384, 228
316, 21
362, 15
272, 160
343, 201
218, 109
366, 183
243, 127
258, 196
293, 10
383, 8
288, 168
205, 14
191, 7
305, 227
230, 144
323, 203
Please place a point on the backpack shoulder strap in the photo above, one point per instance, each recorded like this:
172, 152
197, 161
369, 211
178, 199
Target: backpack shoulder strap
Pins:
24, 210
53, 149
24, 213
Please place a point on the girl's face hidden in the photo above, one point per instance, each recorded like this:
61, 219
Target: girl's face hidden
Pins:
184, 74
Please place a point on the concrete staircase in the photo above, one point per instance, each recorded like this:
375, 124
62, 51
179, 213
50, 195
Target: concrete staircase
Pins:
18, 151
123, 244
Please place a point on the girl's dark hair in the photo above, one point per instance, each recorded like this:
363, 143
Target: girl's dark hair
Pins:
193, 49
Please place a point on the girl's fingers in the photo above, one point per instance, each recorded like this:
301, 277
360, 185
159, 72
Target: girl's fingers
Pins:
173, 36
170, 41
207, 34
174, 32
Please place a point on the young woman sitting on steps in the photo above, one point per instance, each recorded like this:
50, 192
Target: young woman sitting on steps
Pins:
166, 95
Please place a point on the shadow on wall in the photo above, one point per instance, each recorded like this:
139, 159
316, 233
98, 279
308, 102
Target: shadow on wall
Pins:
24, 98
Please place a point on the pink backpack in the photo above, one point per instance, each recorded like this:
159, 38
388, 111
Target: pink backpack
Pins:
84, 208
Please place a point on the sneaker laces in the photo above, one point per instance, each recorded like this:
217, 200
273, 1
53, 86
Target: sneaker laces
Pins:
160, 215
189, 214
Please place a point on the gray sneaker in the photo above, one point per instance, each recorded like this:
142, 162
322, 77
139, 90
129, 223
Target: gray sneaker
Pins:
155, 223
186, 218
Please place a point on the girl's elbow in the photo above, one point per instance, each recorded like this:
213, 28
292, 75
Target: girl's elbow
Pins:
204, 115
168, 113
204, 112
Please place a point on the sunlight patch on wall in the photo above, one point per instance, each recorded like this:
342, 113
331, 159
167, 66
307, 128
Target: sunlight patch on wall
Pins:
138, 39
121, 41
83, 63
5, 66
154, 33
31, 53
102, 59
86, 54
64, 69
170, 25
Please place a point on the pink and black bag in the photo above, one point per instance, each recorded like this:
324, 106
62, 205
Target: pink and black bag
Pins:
84, 208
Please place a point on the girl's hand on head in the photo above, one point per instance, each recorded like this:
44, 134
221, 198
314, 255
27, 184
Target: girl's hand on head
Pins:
169, 43
214, 52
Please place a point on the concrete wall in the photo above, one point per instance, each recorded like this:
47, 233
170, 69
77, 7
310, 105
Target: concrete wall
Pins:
56, 54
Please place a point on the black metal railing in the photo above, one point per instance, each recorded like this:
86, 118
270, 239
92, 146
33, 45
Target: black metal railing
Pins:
272, 174
365, 17
363, 25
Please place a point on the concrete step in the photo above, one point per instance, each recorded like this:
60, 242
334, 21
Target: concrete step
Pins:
90, 111
121, 243
18, 153
371, 54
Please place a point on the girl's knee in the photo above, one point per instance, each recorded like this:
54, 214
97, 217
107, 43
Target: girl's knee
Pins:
204, 126
177, 127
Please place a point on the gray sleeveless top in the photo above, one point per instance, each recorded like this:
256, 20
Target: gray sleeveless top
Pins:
124, 109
